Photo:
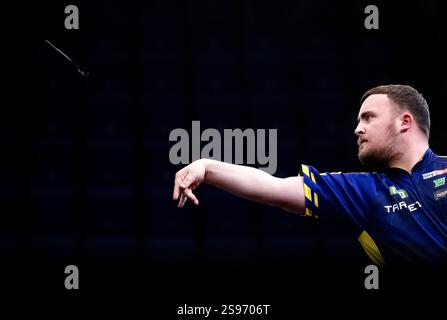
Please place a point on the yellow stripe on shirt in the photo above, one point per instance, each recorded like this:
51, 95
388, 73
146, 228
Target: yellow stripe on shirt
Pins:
307, 192
371, 249
305, 170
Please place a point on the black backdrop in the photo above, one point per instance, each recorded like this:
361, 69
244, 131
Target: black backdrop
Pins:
86, 177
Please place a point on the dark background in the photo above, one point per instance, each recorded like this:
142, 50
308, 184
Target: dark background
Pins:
85, 177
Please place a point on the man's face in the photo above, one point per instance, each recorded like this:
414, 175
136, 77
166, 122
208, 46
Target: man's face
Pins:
377, 131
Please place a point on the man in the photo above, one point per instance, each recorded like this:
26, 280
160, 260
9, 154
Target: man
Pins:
401, 209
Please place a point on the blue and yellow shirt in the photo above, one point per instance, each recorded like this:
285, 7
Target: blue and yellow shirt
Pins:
402, 217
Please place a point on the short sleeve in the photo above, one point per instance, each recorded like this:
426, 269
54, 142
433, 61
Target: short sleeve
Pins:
338, 193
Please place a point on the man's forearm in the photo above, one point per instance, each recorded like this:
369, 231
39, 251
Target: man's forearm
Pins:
242, 181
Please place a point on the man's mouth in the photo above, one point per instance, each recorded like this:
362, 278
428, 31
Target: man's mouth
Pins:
361, 141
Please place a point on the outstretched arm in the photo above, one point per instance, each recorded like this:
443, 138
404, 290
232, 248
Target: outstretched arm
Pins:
242, 181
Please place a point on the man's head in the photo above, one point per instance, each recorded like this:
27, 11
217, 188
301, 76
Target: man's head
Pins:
390, 117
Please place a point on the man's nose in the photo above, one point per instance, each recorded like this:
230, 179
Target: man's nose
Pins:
359, 130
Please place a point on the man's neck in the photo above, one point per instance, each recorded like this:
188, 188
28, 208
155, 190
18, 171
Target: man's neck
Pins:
412, 154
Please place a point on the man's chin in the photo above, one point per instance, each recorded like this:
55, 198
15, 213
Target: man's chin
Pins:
371, 160
362, 155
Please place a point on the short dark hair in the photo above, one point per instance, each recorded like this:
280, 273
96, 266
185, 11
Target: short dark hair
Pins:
407, 98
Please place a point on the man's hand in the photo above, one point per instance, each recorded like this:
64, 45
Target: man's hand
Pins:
187, 180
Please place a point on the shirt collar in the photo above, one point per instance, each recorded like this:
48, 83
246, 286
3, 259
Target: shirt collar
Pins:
422, 164
419, 166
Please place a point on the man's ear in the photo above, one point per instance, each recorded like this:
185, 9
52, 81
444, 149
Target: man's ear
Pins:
406, 122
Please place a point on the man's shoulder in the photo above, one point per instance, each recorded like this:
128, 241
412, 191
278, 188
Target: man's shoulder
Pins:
357, 176
362, 177
438, 161
440, 158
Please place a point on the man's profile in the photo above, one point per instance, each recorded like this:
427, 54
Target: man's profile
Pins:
401, 209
